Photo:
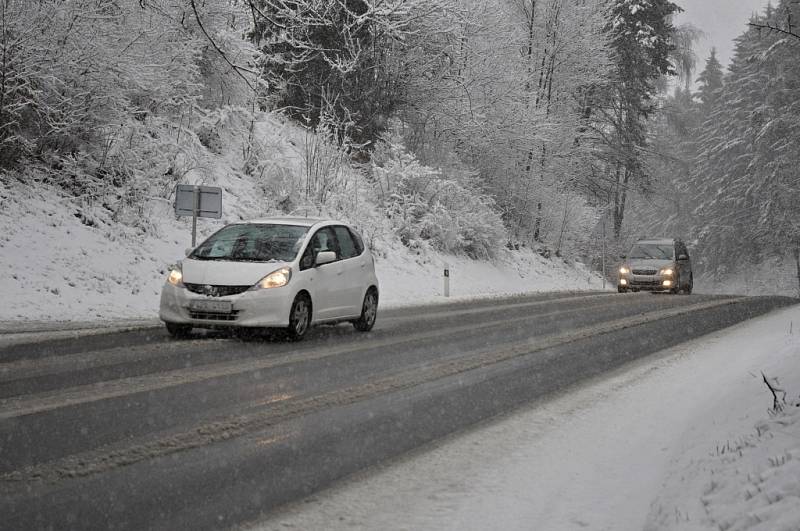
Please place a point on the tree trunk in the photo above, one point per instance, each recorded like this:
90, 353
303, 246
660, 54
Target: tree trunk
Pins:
620, 197
537, 225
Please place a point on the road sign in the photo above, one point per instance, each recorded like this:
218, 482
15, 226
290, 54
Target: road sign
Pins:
209, 201
198, 202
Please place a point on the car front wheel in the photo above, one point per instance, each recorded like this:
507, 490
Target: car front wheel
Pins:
369, 312
299, 318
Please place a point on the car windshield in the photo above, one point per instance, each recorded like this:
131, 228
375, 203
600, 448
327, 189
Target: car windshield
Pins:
651, 251
252, 243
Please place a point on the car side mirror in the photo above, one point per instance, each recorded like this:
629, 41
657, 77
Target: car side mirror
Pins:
623, 256
325, 257
682, 257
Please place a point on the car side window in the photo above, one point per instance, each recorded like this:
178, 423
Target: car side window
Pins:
358, 242
680, 249
346, 245
323, 240
307, 261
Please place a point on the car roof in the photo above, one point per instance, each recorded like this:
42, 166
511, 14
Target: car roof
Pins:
290, 220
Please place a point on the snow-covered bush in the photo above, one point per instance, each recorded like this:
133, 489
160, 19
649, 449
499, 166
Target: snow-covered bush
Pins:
103, 96
427, 208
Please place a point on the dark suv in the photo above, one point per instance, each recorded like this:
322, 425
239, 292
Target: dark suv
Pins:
656, 265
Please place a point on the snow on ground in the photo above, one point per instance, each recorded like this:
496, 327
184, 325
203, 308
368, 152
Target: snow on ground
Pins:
680, 440
59, 261
771, 276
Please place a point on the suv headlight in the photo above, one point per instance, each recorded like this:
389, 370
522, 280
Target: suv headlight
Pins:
667, 272
276, 279
624, 270
175, 276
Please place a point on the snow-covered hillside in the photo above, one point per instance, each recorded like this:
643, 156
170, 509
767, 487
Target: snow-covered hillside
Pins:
68, 258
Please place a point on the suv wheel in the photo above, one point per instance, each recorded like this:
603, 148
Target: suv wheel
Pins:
369, 312
299, 317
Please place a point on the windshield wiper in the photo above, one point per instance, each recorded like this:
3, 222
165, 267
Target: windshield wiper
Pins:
269, 260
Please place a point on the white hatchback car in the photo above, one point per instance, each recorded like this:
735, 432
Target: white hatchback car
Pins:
276, 273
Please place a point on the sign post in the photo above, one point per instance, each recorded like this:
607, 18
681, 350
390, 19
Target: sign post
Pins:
198, 202
604, 251
195, 211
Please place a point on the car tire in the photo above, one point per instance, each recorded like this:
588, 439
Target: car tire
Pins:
369, 312
178, 331
689, 286
677, 289
622, 290
299, 318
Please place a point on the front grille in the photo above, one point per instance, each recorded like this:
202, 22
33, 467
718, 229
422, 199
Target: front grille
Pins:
646, 283
216, 291
645, 271
214, 316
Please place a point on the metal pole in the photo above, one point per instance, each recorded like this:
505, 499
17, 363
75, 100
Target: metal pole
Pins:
446, 279
195, 210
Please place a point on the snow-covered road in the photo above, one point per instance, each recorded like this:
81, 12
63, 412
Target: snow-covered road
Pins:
666, 443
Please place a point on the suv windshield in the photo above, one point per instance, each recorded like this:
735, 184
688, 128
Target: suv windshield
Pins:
252, 243
651, 251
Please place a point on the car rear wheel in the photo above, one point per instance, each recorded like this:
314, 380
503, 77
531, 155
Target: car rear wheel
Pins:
299, 318
369, 312
178, 331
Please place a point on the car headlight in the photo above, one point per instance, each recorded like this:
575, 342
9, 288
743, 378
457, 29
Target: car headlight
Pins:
276, 279
624, 270
175, 275
666, 272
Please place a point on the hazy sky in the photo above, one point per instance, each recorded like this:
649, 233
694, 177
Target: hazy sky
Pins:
721, 20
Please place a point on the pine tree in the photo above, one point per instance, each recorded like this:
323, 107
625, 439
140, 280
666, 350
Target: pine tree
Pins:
748, 150
641, 37
710, 80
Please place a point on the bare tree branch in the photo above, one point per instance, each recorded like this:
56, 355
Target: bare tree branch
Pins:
770, 27
236, 68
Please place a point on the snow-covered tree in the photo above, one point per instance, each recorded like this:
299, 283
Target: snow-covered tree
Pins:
710, 80
337, 56
748, 152
641, 35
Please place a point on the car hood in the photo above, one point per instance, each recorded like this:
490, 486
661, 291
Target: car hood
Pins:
224, 273
649, 263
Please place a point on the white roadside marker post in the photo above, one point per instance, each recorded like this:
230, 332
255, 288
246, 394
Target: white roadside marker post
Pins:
446, 279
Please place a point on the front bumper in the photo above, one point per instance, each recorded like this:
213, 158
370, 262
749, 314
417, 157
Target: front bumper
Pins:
261, 308
646, 282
